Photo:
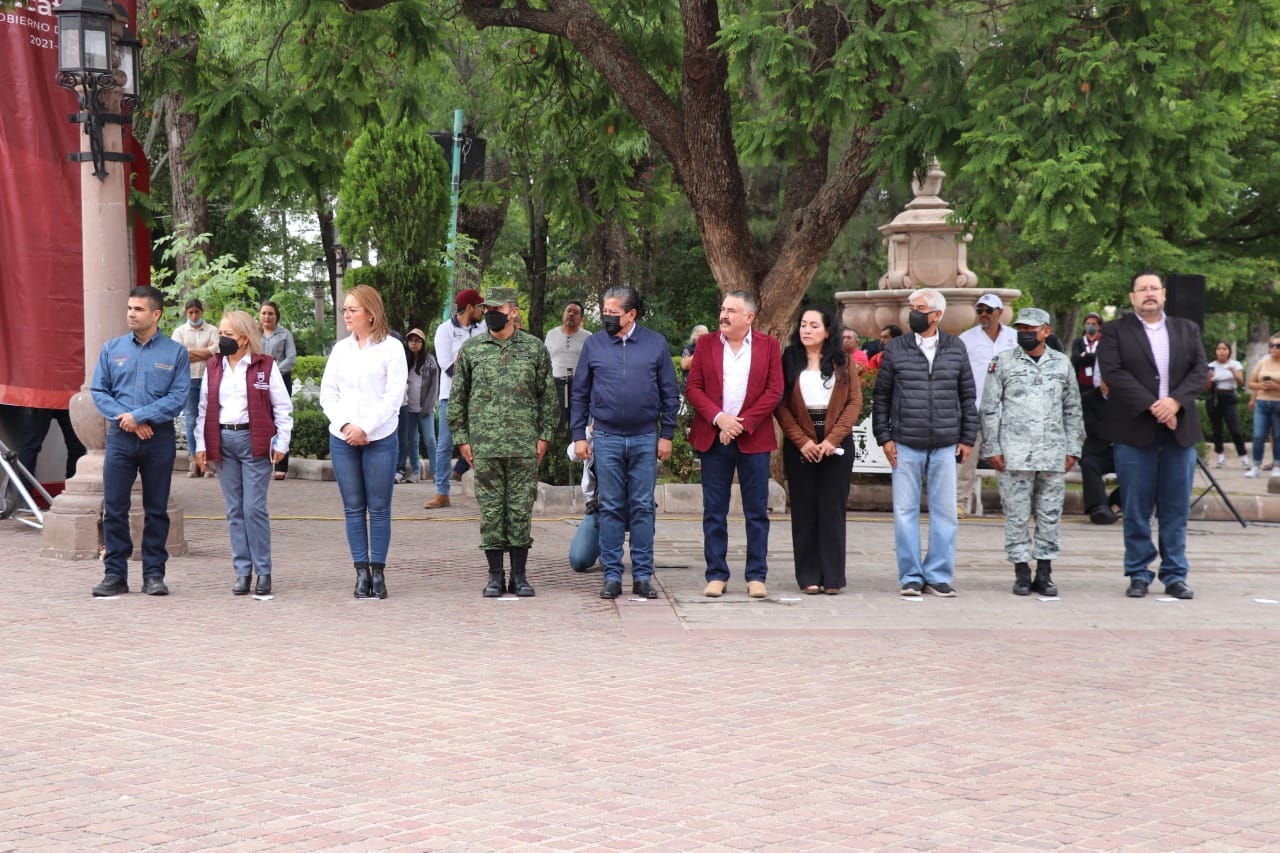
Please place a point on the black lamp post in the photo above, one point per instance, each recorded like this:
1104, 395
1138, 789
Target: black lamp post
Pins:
93, 60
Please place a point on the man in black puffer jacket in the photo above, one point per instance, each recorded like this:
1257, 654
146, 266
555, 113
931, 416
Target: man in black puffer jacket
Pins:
925, 417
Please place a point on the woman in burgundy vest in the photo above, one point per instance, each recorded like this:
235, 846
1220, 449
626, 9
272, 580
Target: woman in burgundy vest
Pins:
245, 420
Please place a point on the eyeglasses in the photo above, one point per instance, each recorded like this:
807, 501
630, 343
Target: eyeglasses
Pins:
984, 309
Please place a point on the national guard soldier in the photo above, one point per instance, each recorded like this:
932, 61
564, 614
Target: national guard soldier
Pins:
502, 412
1032, 429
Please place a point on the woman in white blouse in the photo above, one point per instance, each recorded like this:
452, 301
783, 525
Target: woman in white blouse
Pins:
243, 426
361, 392
1226, 375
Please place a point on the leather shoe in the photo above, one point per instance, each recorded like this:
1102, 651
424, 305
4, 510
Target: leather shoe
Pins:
242, 585
643, 589
264, 585
611, 589
437, 502
111, 585
1102, 515
715, 589
155, 586
1137, 588
1179, 589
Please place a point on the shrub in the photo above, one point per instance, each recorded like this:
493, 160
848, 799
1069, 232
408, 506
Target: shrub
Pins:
309, 367
310, 434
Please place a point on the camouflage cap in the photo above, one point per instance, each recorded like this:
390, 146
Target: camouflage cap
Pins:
1032, 317
501, 296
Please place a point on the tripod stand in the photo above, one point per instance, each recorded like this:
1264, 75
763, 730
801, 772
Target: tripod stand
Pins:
16, 485
1214, 487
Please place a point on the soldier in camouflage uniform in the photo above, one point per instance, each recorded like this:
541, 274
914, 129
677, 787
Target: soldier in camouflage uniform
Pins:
503, 412
1031, 432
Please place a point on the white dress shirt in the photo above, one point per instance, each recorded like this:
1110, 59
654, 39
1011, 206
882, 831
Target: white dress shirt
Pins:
737, 370
364, 386
1158, 337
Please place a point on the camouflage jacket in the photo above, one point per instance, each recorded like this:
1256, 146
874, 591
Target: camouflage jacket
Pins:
503, 397
1030, 411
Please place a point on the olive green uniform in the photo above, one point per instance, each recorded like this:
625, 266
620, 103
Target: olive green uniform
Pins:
502, 402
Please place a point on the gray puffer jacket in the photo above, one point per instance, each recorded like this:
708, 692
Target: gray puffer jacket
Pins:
922, 408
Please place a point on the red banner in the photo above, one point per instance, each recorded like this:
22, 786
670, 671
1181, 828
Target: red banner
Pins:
41, 286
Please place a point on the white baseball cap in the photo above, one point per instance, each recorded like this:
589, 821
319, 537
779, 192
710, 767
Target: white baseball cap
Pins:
991, 301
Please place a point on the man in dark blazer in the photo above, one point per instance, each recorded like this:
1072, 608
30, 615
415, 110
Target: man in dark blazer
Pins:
1153, 367
734, 384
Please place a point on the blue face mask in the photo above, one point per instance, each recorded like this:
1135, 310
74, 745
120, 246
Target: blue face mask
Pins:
196, 323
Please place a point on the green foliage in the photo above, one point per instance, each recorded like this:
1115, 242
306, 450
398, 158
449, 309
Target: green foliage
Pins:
221, 283
683, 466
306, 403
309, 367
310, 434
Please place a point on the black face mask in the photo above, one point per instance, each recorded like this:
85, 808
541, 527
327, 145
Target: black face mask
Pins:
496, 320
1090, 329
918, 321
227, 346
612, 324
1028, 340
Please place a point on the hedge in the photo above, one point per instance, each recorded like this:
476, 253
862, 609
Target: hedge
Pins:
310, 434
309, 367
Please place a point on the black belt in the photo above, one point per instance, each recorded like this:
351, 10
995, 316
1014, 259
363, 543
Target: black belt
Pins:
234, 427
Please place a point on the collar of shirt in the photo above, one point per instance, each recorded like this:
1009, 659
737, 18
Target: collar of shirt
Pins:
746, 340
1157, 325
926, 343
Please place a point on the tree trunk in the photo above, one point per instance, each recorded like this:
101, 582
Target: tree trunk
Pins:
535, 264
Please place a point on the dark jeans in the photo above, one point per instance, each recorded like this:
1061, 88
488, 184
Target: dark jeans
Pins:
626, 474
819, 496
35, 427
366, 474
1156, 479
1266, 421
718, 466
283, 465
127, 457
1221, 407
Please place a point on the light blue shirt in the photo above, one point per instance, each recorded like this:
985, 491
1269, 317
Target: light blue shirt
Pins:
148, 380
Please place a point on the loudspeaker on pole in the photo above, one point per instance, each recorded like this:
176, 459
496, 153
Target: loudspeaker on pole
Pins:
1185, 298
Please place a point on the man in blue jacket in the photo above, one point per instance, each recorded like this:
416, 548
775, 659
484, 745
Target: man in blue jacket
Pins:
925, 416
625, 385
140, 386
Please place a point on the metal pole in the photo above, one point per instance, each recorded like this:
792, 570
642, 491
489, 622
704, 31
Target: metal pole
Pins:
455, 186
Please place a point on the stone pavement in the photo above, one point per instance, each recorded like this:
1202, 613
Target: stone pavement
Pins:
440, 720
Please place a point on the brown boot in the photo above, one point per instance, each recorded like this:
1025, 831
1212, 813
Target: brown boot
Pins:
437, 502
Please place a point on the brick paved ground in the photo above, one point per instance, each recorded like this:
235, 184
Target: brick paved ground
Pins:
439, 720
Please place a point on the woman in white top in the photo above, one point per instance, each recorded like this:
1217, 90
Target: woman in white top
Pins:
1225, 376
361, 391
244, 424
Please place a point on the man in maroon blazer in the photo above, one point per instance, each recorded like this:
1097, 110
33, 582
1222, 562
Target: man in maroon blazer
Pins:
734, 384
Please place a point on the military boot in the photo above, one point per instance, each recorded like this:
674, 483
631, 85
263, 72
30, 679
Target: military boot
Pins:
362, 581
1021, 579
519, 583
1043, 584
497, 583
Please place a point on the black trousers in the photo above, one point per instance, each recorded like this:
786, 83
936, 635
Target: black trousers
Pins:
35, 426
819, 496
283, 464
1222, 407
1096, 460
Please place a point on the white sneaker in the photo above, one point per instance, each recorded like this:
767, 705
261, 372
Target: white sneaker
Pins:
1275, 470
1244, 460
411, 477
1222, 461
1252, 472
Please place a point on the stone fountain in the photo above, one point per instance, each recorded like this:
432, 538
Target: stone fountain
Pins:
925, 249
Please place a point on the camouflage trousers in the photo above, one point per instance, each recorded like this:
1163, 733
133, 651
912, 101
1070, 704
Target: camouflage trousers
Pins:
1028, 493
506, 489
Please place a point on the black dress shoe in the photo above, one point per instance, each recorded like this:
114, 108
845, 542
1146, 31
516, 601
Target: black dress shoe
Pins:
155, 586
1137, 588
611, 589
264, 585
1179, 589
111, 585
242, 585
643, 589
1102, 515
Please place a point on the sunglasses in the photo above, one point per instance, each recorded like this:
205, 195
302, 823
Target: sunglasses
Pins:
1273, 346
983, 309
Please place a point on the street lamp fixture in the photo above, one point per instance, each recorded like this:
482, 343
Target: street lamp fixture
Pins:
89, 50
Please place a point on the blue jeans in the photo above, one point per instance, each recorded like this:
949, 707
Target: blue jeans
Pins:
443, 463
938, 466
190, 411
126, 458
1156, 478
718, 466
244, 482
415, 426
584, 550
366, 475
1266, 421
626, 474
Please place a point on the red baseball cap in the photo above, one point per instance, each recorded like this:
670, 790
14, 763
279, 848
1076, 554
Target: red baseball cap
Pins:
467, 298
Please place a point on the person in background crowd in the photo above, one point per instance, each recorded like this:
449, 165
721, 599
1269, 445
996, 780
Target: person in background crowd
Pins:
139, 386
1031, 431
853, 352
925, 417
35, 428
201, 343
1153, 367
277, 342
361, 392
625, 385
686, 353
503, 417
564, 344
1096, 459
418, 414
735, 383
887, 334
821, 401
450, 337
243, 426
1264, 382
1226, 375
984, 341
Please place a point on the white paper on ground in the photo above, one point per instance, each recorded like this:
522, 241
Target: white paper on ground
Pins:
263, 597
1265, 601
1049, 598
1166, 598
911, 598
